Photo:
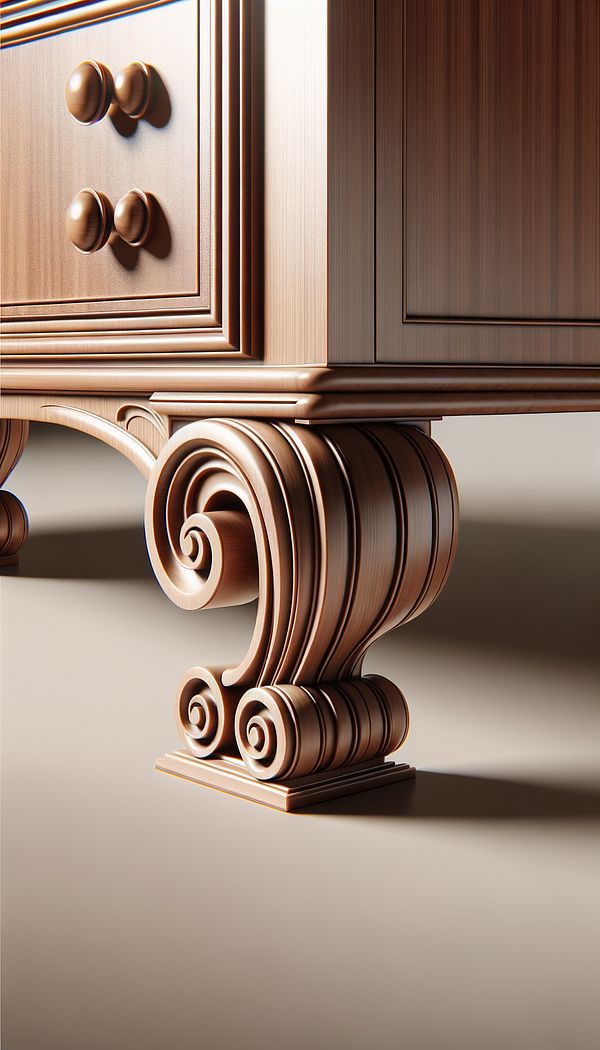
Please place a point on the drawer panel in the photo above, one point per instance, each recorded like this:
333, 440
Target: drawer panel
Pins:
48, 156
180, 292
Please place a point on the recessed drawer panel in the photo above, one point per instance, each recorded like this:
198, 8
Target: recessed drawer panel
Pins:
124, 187
48, 157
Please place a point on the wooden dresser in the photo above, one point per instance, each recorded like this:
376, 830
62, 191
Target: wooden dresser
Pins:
256, 246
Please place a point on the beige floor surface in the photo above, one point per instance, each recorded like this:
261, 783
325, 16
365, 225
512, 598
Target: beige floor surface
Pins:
461, 912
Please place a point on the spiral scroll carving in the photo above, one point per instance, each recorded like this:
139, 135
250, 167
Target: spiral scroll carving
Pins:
14, 524
292, 731
343, 532
206, 711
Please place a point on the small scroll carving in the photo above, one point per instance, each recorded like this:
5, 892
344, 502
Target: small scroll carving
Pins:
146, 424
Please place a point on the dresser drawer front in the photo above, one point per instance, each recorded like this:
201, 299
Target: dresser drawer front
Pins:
48, 156
183, 153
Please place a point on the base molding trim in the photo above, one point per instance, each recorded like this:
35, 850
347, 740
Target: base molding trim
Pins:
232, 776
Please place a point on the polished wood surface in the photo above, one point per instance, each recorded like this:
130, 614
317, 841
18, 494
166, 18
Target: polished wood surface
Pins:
133, 89
502, 152
351, 182
488, 163
47, 157
186, 286
343, 533
353, 208
311, 394
89, 91
291, 54
89, 220
133, 217
314, 63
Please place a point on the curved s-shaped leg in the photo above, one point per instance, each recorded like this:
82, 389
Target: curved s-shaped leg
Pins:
342, 532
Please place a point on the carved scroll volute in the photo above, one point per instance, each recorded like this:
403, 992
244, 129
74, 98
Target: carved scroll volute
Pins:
343, 532
14, 524
206, 712
198, 529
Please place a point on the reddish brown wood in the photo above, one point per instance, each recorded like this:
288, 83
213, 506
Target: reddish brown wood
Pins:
488, 161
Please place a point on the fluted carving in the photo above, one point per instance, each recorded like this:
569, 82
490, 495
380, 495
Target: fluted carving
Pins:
343, 532
14, 524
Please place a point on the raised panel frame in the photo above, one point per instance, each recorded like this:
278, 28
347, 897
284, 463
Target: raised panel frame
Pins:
147, 332
403, 338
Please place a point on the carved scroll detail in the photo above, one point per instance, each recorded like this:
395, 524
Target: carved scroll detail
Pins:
14, 524
206, 712
292, 730
147, 425
343, 532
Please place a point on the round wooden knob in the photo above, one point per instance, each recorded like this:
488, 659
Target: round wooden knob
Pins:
132, 89
89, 220
89, 92
133, 217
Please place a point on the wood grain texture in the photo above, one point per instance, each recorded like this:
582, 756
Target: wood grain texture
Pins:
317, 394
351, 182
48, 157
317, 117
503, 159
186, 289
132, 426
488, 160
343, 533
294, 174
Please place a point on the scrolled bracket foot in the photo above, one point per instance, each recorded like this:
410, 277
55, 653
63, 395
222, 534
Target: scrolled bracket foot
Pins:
342, 532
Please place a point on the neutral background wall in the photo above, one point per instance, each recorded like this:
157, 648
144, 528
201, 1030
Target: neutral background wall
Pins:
461, 911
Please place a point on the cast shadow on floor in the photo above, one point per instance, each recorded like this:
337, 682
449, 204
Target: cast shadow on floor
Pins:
455, 796
514, 587
110, 553
523, 588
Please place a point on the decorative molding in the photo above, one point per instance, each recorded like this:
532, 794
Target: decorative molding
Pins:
132, 428
316, 394
342, 533
129, 415
231, 775
30, 20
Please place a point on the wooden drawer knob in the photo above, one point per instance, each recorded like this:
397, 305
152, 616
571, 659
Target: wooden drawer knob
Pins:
89, 220
89, 92
132, 89
133, 217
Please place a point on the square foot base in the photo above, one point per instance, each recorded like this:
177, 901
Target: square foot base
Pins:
231, 775
8, 559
